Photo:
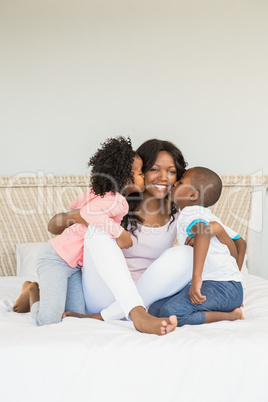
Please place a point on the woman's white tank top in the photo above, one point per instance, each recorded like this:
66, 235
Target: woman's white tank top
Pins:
149, 245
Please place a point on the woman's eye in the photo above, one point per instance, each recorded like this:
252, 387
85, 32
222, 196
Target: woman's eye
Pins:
153, 170
172, 172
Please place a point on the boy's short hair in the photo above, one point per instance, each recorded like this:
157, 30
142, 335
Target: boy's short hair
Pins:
209, 185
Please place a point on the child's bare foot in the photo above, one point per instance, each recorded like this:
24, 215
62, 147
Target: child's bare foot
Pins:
148, 324
29, 295
236, 314
77, 315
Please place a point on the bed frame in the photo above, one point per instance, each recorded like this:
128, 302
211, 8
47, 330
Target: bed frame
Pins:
27, 203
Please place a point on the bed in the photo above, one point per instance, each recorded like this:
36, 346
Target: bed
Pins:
82, 360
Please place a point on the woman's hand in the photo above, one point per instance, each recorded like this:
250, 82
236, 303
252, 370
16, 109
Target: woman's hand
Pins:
189, 241
124, 240
63, 220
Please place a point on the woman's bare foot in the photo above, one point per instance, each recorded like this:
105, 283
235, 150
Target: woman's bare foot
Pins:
142, 321
29, 295
77, 315
148, 324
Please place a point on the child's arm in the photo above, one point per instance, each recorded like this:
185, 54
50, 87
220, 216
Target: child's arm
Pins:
63, 220
201, 244
241, 246
217, 230
236, 247
124, 240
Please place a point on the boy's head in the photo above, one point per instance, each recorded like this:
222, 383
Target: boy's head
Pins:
197, 186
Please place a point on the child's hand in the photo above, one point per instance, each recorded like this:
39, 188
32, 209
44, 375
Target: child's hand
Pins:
195, 291
124, 240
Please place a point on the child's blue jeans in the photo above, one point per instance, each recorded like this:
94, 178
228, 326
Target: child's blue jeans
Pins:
220, 296
60, 288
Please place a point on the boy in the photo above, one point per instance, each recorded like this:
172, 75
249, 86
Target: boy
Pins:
215, 292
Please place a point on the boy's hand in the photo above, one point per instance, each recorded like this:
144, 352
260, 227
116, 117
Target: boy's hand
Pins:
124, 240
195, 291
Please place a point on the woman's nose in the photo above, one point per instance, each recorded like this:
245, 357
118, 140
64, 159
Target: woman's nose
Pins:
163, 175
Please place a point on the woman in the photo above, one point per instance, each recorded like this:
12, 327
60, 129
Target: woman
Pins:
152, 223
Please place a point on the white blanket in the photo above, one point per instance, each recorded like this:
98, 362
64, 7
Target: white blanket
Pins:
89, 360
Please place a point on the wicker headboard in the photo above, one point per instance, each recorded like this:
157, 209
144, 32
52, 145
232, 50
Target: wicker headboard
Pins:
28, 203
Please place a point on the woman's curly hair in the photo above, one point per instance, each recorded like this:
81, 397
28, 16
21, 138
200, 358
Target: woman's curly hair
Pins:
148, 152
112, 166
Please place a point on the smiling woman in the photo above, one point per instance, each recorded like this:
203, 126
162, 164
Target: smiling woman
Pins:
159, 180
163, 165
152, 223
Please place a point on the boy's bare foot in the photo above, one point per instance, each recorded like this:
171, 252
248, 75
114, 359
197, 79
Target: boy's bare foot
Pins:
236, 314
77, 315
29, 295
214, 316
148, 324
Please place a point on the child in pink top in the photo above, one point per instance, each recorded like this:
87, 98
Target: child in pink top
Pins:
116, 172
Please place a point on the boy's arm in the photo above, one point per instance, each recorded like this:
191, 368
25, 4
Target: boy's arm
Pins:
63, 220
201, 233
237, 247
217, 230
241, 246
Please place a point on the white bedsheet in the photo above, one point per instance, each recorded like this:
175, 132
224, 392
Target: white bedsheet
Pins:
88, 360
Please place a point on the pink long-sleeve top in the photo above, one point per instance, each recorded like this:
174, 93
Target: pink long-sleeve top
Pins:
104, 212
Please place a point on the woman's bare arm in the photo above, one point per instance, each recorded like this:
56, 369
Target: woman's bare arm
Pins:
63, 220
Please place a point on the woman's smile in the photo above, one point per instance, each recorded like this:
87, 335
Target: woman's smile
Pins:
161, 176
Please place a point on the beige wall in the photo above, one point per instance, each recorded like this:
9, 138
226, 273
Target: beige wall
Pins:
76, 72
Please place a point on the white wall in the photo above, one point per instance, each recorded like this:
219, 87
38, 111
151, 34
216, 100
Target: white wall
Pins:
76, 72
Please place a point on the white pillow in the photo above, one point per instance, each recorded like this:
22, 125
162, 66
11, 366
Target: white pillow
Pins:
27, 254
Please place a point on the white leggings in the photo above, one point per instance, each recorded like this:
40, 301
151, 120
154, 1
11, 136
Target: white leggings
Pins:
107, 283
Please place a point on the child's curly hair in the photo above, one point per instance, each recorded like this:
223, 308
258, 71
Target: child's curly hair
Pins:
112, 166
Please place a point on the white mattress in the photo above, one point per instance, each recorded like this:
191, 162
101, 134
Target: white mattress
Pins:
89, 360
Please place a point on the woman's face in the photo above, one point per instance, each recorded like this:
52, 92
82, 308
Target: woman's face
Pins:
161, 176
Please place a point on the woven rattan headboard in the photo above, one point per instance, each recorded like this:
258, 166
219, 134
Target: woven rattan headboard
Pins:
28, 203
